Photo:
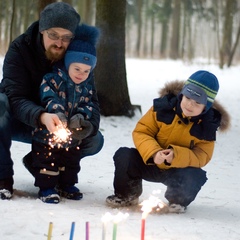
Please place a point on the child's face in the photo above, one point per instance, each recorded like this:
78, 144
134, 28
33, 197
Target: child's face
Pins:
79, 72
190, 107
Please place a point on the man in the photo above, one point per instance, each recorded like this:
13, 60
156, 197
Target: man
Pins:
28, 59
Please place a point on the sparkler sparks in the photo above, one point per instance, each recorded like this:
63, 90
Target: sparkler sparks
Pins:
60, 137
147, 206
153, 203
116, 219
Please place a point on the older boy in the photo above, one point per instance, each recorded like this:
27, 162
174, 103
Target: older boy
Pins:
173, 140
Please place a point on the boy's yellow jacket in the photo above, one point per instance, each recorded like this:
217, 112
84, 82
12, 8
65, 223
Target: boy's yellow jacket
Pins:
163, 126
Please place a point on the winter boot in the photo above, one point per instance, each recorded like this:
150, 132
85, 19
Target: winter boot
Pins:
49, 195
176, 208
119, 201
6, 188
70, 192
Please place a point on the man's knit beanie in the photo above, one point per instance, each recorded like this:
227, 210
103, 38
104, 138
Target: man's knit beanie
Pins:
59, 15
202, 86
81, 52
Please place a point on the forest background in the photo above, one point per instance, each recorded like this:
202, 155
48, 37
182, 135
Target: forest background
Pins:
176, 29
187, 30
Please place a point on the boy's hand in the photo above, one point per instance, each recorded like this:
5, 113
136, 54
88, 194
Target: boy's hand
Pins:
76, 121
161, 156
83, 132
80, 127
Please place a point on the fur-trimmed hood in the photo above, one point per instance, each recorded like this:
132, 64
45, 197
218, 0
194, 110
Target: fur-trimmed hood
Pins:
176, 86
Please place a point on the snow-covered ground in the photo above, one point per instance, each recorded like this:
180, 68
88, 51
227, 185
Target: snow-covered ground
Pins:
214, 215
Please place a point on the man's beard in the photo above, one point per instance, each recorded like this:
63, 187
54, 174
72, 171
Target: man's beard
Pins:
55, 56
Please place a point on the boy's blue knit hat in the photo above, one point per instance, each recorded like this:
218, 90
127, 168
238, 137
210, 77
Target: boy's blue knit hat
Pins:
59, 14
81, 52
202, 86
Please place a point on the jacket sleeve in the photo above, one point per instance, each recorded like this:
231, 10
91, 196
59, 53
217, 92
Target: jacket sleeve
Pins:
144, 135
19, 86
198, 156
49, 94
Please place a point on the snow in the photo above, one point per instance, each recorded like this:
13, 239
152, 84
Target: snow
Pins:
213, 215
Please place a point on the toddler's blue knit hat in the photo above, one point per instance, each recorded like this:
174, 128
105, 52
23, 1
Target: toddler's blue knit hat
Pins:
81, 52
59, 14
202, 86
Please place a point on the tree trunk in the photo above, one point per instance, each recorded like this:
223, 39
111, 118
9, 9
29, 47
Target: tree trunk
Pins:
234, 48
12, 21
139, 27
110, 72
174, 50
165, 29
225, 49
43, 3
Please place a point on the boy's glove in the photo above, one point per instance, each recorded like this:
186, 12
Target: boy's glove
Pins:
76, 121
62, 118
80, 127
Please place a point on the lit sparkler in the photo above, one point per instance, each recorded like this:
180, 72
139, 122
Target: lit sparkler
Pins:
60, 137
116, 219
147, 206
107, 217
119, 217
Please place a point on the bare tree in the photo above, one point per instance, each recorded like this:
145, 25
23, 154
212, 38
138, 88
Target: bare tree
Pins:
164, 19
43, 3
110, 73
12, 20
226, 50
139, 26
234, 47
86, 9
175, 38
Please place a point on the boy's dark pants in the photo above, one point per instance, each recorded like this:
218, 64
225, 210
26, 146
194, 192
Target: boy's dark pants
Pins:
55, 166
183, 184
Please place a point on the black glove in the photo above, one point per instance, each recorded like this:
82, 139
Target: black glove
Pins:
76, 121
82, 132
62, 118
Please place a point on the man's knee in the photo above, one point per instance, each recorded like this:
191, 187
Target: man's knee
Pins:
91, 145
98, 141
4, 105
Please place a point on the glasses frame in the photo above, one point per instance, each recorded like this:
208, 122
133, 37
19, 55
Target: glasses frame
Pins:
55, 37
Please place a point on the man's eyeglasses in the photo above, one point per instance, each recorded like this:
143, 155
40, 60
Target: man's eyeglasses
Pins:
54, 36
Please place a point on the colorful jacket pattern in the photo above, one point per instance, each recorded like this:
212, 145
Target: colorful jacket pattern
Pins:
59, 94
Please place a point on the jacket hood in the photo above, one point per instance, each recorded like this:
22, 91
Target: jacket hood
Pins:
174, 87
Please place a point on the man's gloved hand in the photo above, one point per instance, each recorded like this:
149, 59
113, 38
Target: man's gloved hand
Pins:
62, 118
80, 127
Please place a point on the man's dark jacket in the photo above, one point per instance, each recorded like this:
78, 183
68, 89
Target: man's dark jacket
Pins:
24, 66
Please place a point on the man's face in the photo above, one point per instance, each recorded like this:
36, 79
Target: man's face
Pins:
56, 41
